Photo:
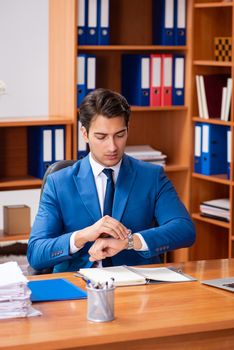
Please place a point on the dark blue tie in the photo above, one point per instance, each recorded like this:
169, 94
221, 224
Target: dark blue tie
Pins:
108, 203
110, 190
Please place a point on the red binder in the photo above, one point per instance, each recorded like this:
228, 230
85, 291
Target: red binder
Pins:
155, 80
167, 79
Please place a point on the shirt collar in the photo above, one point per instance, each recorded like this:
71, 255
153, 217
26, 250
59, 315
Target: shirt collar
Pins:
97, 168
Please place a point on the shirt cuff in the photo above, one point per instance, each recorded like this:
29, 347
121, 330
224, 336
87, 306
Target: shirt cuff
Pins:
73, 247
143, 242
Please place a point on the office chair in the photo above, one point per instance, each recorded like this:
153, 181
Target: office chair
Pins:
51, 169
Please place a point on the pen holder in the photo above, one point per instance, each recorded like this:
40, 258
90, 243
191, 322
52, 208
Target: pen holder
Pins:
100, 304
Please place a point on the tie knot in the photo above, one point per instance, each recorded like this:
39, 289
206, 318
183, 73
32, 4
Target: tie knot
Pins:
108, 172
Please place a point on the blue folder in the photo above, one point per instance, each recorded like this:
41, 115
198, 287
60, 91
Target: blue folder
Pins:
135, 79
180, 22
103, 22
178, 80
198, 148
55, 289
214, 149
82, 21
163, 22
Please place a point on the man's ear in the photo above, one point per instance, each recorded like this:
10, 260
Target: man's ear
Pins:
84, 134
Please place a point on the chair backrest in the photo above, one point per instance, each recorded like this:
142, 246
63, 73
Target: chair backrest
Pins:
51, 169
55, 167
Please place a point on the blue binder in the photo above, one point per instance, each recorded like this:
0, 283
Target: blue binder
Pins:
40, 150
136, 79
214, 149
92, 25
163, 22
82, 9
90, 77
81, 78
103, 22
54, 290
82, 149
180, 22
198, 148
178, 80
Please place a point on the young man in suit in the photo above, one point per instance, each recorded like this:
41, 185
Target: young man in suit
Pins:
90, 215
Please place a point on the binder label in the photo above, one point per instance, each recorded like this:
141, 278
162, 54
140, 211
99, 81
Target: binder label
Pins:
104, 13
59, 144
81, 13
92, 13
179, 73
47, 145
181, 16
205, 138
168, 71
91, 81
145, 73
229, 135
156, 77
197, 141
169, 13
81, 70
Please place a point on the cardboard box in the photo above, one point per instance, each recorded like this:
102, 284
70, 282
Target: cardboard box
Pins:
16, 219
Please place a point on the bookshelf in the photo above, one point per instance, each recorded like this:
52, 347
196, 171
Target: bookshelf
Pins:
168, 129
215, 239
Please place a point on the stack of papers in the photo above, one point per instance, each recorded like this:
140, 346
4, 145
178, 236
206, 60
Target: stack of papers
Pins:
14, 293
146, 153
217, 209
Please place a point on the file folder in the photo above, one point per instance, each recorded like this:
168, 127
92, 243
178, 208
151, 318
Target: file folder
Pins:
59, 143
92, 30
178, 80
81, 78
155, 80
82, 145
54, 290
214, 149
82, 21
40, 150
103, 22
136, 79
198, 148
166, 80
163, 22
90, 73
180, 22
229, 143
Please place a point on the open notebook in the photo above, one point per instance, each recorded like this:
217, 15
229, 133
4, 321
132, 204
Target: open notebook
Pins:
222, 283
126, 275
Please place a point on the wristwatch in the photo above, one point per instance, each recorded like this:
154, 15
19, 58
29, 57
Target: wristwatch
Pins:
130, 240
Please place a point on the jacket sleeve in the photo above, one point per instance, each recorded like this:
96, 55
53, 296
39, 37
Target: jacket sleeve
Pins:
48, 244
175, 228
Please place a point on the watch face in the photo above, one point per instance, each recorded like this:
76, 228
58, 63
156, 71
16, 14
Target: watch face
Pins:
130, 240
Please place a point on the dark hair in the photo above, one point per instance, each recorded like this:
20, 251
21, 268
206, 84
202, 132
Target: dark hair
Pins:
104, 102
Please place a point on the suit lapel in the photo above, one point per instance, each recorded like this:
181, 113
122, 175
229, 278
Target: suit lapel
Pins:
123, 187
87, 189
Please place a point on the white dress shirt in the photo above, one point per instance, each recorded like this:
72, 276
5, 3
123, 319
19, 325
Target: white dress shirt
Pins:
101, 181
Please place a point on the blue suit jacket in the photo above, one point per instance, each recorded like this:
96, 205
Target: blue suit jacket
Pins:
145, 201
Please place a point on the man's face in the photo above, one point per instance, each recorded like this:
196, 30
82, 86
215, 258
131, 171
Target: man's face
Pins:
107, 138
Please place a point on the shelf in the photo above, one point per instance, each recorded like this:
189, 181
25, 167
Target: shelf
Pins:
130, 48
158, 109
214, 4
212, 121
20, 182
222, 178
197, 216
6, 238
212, 63
38, 120
174, 168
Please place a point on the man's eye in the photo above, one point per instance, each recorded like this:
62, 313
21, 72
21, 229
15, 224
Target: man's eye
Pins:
100, 137
121, 135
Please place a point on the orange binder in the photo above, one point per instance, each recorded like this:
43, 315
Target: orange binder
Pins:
155, 80
167, 65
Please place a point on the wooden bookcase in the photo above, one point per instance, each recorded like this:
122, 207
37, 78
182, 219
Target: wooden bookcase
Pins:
215, 239
168, 129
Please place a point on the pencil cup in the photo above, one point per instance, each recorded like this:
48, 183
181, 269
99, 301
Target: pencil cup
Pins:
100, 304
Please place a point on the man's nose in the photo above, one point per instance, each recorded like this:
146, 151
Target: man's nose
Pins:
112, 145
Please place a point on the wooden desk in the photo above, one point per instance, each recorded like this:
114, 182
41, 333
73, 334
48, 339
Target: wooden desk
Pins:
170, 316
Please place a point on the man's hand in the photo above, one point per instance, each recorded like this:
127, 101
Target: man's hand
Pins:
106, 247
106, 226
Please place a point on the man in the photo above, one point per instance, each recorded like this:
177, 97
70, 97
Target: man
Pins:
72, 230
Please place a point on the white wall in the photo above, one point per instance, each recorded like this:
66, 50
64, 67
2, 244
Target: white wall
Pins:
24, 57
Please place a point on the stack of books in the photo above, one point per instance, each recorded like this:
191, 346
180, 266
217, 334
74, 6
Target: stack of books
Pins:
14, 293
216, 209
214, 92
146, 153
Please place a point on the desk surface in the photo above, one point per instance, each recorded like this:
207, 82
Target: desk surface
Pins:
168, 316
